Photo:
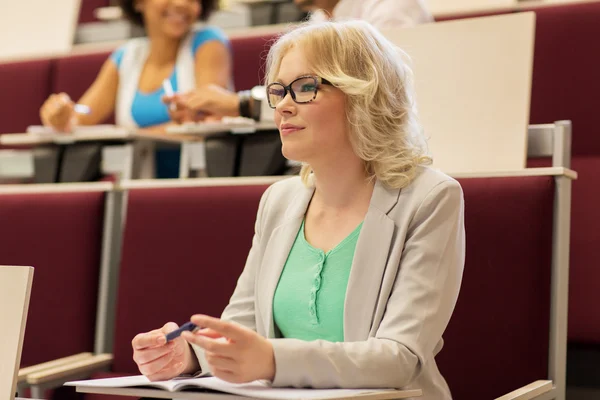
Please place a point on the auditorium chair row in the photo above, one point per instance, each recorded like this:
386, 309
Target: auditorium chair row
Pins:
184, 243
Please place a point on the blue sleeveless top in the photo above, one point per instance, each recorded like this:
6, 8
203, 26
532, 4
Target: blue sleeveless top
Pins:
147, 109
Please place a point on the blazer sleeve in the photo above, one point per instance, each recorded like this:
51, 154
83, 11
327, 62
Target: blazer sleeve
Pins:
417, 312
241, 305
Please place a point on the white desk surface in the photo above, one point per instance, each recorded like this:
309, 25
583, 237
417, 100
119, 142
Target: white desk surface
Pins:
163, 394
206, 129
33, 139
174, 134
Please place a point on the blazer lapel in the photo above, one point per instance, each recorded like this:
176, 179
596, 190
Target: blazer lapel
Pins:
276, 254
368, 265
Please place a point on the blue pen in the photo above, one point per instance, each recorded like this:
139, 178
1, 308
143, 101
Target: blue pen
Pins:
188, 326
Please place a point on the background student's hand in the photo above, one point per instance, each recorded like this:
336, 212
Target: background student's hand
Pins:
178, 112
58, 112
159, 360
234, 353
206, 101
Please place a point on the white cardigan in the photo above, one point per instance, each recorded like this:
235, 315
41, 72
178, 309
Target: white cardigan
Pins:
134, 58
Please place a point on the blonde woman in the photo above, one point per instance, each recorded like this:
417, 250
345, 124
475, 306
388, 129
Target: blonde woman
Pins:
355, 266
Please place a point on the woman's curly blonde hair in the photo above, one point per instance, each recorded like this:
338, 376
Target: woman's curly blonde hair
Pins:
380, 106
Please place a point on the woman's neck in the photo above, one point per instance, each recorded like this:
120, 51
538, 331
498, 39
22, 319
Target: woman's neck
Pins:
341, 185
163, 50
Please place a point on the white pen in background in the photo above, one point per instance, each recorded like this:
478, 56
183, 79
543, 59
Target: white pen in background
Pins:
82, 109
169, 92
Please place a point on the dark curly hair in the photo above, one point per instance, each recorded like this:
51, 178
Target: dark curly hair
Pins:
128, 7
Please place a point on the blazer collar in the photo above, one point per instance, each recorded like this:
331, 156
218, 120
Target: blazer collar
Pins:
383, 199
369, 264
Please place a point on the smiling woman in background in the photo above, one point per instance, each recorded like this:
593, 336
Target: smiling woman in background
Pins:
130, 81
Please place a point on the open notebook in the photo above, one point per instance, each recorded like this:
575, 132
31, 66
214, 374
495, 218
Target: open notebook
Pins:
256, 389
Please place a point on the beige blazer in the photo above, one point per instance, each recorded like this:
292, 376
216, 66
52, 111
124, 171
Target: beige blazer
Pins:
402, 289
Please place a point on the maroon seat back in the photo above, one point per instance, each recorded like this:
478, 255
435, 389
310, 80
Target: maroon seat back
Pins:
249, 56
60, 235
86, 12
75, 74
497, 339
584, 276
566, 81
24, 86
183, 251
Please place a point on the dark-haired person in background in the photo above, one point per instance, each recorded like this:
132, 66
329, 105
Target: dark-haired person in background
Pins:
130, 81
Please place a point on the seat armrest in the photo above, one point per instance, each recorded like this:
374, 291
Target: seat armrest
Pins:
25, 372
528, 392
80, 369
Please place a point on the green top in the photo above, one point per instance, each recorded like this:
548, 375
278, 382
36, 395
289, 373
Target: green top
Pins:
309, 299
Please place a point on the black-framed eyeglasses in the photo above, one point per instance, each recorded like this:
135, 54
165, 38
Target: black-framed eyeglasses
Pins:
302, 89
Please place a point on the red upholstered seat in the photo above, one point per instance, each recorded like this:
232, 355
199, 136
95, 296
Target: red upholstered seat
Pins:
249, 56
566, 82
565, 85
74, 74
60, 234
86, 12
23, 88
584, 276
183, 251
497, 339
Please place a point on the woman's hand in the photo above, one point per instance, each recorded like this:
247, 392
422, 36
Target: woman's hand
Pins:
58, 112
159, 360
178, 112
205, 101
234, 353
